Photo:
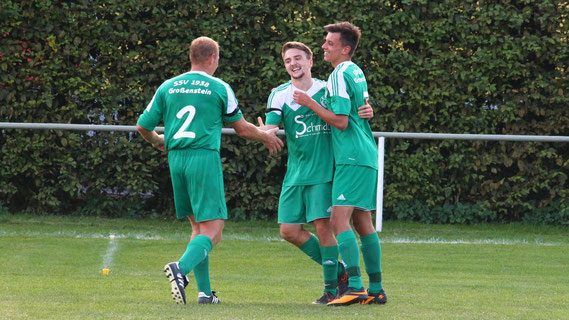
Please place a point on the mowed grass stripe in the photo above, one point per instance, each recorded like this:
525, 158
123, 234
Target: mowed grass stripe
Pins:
58, 277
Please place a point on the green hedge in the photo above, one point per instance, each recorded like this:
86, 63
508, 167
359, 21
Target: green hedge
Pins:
497, 67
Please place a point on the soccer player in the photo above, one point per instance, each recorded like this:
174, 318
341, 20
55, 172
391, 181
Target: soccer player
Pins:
307, 186
355, 153
194, 106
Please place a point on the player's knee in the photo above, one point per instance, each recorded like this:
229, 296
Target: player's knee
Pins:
335, 221
363, 225
290, 235
216, 239
287, 235
323, 228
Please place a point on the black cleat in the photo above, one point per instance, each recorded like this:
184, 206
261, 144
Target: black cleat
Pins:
186, 281
351, 296
178, 282
203, 299
342, 280
326, 297
377, 298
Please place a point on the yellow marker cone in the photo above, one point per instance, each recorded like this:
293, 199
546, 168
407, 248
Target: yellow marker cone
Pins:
106, 271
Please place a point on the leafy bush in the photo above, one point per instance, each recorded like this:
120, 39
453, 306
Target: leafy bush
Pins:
452, 214
432, 66
556, 213
3, 210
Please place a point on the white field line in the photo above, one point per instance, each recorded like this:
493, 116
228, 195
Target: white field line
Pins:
478, 241
248, 237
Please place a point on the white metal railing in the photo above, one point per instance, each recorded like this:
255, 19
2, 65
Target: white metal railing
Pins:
380, 143
397, 135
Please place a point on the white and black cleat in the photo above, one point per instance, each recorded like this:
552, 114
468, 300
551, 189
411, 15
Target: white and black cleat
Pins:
178, 282
205, 299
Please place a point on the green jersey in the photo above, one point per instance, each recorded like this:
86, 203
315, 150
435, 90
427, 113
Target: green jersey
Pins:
346, 91
193, 106
308, 137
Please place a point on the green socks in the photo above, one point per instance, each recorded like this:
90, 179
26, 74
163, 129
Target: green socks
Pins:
371, 251
325, 256
348, 248
197, 250
330, 268
350, 252
312, 249
201, 272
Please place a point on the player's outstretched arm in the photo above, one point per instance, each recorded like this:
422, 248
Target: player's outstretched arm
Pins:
249, 131
157, 140
338, 121
365, 111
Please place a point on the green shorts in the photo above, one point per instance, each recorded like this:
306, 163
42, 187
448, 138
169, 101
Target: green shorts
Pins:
355, 186
197, 181
302, 204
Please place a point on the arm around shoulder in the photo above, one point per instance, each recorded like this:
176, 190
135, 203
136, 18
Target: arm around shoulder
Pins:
338, 121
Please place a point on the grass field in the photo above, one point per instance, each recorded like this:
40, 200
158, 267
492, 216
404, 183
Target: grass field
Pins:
51, 269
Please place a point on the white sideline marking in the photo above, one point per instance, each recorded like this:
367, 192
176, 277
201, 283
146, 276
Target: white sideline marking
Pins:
482, 241
244, 237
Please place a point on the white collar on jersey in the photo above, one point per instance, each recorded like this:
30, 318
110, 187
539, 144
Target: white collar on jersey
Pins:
316, 86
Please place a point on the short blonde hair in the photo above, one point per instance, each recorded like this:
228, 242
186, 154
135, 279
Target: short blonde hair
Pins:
201, 49
297, 45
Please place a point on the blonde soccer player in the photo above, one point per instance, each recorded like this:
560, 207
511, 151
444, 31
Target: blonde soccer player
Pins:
193, 107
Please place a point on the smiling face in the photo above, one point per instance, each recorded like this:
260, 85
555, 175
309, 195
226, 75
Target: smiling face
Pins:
334, 51
297, 63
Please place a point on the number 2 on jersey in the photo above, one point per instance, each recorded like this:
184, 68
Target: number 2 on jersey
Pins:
182, 132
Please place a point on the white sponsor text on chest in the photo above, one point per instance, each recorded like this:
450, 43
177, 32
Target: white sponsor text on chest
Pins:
310, 128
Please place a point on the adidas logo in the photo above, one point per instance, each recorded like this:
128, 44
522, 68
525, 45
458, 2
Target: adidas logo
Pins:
329, 263
341, 197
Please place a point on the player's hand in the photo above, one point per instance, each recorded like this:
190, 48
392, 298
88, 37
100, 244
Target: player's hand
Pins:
261, 124
365, 111
302, 98
272, 142
159, 143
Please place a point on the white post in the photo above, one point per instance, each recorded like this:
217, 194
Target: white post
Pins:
379, 199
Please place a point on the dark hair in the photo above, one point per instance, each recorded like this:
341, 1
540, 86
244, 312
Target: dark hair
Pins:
349, 34
296, 45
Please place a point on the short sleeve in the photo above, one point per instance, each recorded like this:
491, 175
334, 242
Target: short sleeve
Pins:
273, 113
231, 106
152, 115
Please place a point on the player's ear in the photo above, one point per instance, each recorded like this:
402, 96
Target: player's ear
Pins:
211, 59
